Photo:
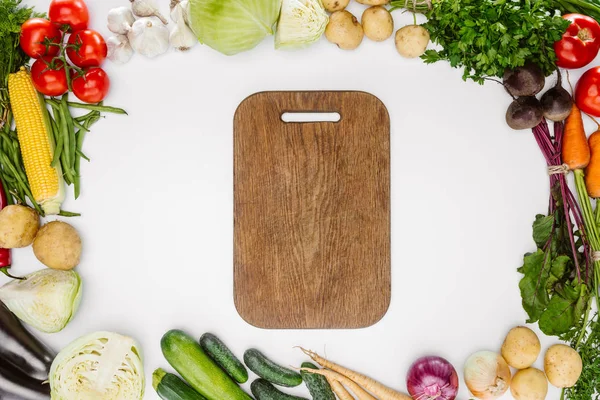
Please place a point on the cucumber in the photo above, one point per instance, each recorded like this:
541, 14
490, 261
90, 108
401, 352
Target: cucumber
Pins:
263, 390
220, 353
195, 366
171, 387
267, 369
317, 384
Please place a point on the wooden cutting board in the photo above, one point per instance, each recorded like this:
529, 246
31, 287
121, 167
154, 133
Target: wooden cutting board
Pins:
312, 211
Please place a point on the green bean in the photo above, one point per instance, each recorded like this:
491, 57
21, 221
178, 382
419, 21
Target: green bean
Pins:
82, 155
78, 125
64, 213
71, 131
97, 107
84, 117
65, 159
23, 184
58, 143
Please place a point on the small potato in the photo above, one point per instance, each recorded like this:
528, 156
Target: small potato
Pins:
344, 30
529, 384
58, 246
412, 41
521, 347
377, 22
563, 366
18, 226
373, 2
335, 5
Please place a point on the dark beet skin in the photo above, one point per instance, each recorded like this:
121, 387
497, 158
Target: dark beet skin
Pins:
556, 104
524, 113
528, 80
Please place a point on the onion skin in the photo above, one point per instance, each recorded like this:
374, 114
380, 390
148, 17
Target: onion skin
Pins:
487, 375
432, 378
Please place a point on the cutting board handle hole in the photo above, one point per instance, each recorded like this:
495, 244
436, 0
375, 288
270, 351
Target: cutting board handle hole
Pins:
307, 117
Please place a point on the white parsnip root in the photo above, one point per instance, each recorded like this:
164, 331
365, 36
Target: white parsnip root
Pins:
361, 394
339, 390
381, 391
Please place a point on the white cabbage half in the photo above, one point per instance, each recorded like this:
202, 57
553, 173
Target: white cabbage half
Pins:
233, 26
46, 299
101, 365
302, 22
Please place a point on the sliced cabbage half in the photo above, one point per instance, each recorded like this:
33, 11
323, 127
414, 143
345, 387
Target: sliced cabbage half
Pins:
46, 299
233, 26
302, 22
101, 365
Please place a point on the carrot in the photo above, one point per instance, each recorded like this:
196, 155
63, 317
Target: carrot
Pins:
339, 390
361, 394
575, 151
378, 389
592, 172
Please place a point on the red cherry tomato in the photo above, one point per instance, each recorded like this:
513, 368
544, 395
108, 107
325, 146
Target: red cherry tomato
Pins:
73, 13
36, 33
579, 44
587, 92
49, 76
87, 48
92, 87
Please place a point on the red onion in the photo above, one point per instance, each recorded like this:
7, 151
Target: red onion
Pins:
432, 378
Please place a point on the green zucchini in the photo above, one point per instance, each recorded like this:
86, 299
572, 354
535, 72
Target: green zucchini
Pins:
171, 387
195, 366
317, 384
263, 390
220, 353
267, 369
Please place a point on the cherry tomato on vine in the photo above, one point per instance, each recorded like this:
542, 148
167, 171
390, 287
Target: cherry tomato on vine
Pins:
587, 92
580, 43
86, 48
49, 76
36, 34
73, 13
92, 86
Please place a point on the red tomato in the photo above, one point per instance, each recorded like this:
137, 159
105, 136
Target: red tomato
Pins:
49, 76
587, 92
35, 34
87, 48
579, 44
92, 87
69, 12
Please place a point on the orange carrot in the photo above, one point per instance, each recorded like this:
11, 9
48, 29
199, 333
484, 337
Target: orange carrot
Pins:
592, 172
575, 148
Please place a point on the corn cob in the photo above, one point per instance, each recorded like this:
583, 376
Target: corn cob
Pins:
36, 142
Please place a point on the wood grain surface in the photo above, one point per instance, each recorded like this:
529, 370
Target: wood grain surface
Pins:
312, 211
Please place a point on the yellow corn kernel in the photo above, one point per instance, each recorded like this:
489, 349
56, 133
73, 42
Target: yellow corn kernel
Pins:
36, 141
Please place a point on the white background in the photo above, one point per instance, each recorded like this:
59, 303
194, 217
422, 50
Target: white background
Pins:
157, 205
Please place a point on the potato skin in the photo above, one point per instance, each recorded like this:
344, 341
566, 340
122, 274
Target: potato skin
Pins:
412, 41
344, 30
521, 347
18, 226
373, 2
58, 246
335, 5
529, 384
563, 366
377, 22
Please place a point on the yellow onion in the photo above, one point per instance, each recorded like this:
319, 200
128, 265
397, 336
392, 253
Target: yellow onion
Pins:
487, 375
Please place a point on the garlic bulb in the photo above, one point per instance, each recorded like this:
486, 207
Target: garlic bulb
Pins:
147, 8
149, 37
487, 375
182, 37
184, 5
120, 20
119, 49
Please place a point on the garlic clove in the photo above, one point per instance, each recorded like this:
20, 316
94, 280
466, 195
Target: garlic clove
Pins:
147, 8
119, 49
181, 38
149, 37
120, 20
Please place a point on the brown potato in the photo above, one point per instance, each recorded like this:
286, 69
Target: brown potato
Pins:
521, 347
58, 246
335, 5
18, 226
373, 2
344, 30
377, 22
412, 41
529, 384
563, 366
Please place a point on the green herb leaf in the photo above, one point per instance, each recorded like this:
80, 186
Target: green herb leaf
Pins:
533, 285
565, 310
542, 229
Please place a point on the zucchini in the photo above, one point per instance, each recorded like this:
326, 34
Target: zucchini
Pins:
267, 369
263, 390
195, 366
220, 353
317, 384
171, 387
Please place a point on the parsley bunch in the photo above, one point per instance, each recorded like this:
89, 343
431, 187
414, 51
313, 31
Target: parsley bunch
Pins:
485, 37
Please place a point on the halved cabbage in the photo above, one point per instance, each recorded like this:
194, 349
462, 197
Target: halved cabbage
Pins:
101, 365
46, 299
302, 22
233, 26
